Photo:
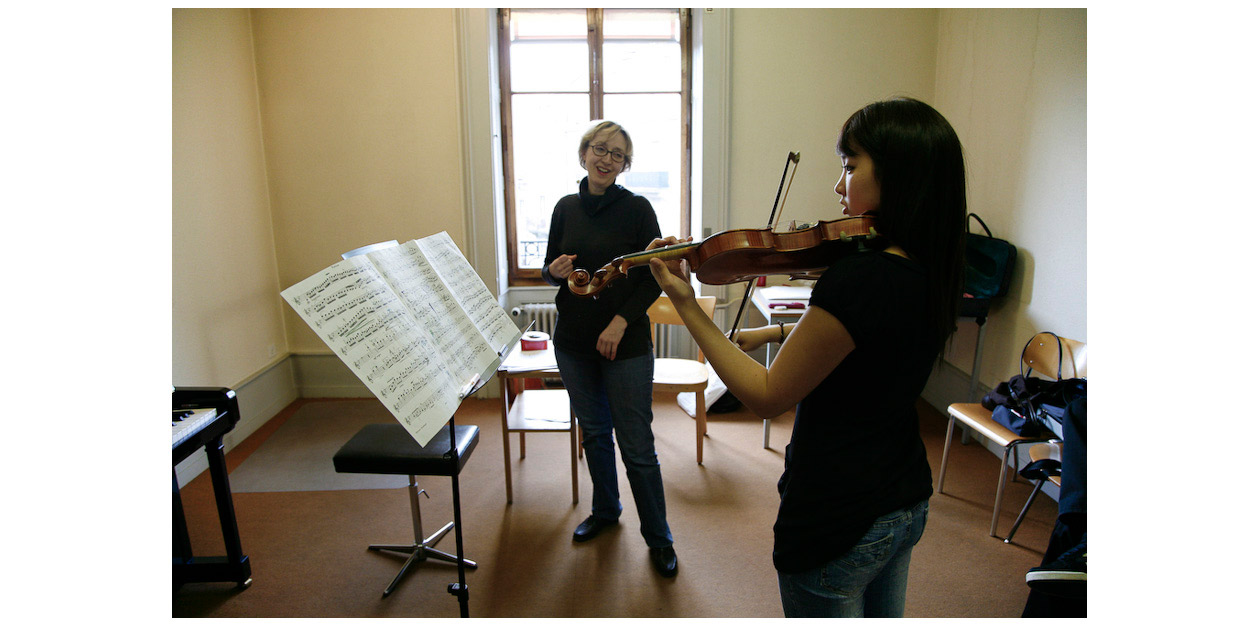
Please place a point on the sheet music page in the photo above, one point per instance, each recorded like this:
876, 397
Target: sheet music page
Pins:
353, 310
416, 282
470, 291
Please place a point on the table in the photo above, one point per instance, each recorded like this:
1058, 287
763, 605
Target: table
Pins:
534, 410
765, 300
779, 304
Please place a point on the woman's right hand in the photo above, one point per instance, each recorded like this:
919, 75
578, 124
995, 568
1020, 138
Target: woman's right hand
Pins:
672, 276
752, 339
561, 267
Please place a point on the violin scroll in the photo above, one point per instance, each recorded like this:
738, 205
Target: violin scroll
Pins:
583, 283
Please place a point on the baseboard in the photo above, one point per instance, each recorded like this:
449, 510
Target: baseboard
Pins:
324, 375
260, 397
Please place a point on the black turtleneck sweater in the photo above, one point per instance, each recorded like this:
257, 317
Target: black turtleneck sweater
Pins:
598, 229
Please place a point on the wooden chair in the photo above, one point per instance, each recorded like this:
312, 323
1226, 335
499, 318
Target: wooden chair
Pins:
535, 410
683, 375
1042, 355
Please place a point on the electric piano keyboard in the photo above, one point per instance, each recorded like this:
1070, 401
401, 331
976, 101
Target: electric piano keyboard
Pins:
200, 418
186, 423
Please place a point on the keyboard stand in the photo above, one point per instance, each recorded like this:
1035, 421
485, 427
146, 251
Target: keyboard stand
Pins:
186, 568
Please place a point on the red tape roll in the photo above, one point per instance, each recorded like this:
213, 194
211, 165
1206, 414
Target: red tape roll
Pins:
534, 341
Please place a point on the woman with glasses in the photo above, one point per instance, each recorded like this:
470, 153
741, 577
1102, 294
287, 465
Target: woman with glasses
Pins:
604, 345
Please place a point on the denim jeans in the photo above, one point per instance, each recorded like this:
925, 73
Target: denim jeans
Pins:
616, 397
869, 580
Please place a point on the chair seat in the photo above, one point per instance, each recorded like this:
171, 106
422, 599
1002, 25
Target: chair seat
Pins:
1050, 450
977, 417
540, 410
389, 449
681, 372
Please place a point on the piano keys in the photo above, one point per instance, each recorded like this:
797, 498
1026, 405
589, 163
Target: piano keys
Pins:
186, 423
200, 418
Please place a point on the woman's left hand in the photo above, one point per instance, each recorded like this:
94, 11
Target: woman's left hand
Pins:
673, 277
611, 338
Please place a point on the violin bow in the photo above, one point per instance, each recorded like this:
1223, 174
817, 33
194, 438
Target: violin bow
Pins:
793, 158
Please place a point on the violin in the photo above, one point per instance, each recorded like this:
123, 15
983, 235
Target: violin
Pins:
743, 254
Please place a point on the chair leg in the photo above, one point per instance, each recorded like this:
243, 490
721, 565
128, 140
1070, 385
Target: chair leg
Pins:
507, 441
1001, 489
949, 435
1024, 512
702, 426
765, 433
422, 549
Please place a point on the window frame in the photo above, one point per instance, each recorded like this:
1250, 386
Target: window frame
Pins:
522, 277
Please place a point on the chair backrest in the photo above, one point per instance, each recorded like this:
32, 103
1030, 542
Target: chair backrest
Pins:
663, 312
1042, 355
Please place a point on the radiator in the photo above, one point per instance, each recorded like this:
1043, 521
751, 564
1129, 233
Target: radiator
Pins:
543, 315
668, 341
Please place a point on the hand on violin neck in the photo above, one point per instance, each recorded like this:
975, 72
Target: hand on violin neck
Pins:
662, 242
674, 278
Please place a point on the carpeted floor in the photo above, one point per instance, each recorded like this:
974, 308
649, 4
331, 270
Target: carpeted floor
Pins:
298, 456
307, 542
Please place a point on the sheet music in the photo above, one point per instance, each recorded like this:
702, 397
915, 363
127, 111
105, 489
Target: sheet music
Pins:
415, 280
518, 360
400, 327
470, 291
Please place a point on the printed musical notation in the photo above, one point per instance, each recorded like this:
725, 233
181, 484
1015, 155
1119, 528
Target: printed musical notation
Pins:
413, 321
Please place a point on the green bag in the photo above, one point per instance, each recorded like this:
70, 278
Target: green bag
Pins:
990, 263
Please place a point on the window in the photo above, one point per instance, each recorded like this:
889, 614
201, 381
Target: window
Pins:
560, 69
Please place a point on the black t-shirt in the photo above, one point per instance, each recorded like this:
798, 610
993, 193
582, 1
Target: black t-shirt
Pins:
598, 229
855, 452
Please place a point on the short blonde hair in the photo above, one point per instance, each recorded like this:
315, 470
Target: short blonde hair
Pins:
600, 127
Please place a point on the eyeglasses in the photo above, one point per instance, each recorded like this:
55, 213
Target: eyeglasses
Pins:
600, 151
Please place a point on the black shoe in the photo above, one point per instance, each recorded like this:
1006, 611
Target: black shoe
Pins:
664, 560
591, 528
1062, 577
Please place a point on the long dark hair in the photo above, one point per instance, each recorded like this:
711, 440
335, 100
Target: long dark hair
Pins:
923, 193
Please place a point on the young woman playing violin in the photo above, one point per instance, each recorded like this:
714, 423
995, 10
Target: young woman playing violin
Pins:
855, 487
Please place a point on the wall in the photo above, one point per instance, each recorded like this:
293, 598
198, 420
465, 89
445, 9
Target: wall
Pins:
225, 312
227, 325
360, 116
796, 76
300, 134
1012, 82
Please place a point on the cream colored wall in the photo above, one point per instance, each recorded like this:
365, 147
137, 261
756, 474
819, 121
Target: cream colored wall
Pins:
226, 316
796, 76
360, 116
1012, 82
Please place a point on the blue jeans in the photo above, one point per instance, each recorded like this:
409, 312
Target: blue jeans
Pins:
869, 580
616, 396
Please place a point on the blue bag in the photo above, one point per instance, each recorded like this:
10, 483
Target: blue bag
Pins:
1029, 406
990, 263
